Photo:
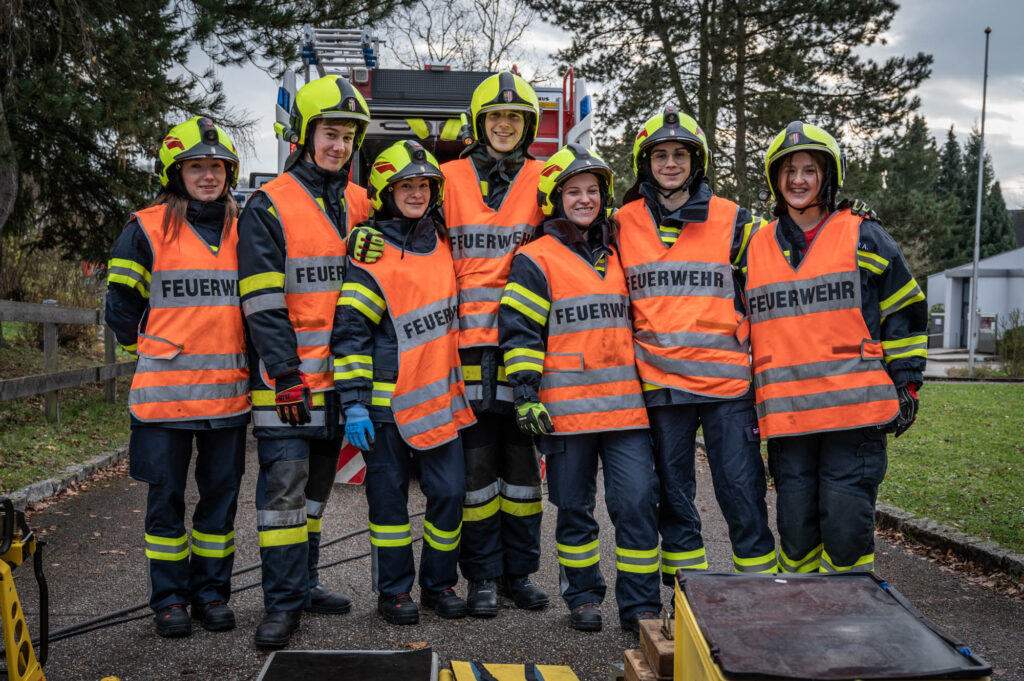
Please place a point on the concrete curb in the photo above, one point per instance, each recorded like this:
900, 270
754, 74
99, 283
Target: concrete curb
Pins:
78, 472
988, 554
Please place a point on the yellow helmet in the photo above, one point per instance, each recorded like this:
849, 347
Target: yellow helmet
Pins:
198, 137
800, 136
570, 160
401, 161
671, 125
329, 97
505, 90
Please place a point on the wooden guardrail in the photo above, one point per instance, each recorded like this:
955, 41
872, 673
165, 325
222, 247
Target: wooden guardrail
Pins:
50, 315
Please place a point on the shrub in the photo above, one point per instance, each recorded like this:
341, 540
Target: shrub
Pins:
1010, 344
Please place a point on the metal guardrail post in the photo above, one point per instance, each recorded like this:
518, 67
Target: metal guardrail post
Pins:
50, 366
110, 385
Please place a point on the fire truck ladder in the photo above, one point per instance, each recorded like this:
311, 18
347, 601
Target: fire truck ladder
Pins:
339, 50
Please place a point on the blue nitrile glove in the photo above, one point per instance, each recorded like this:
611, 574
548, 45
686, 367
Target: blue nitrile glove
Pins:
358, 427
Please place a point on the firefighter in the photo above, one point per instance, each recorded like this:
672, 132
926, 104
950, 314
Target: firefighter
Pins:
678, 242
400, 384
491, 209
564, 328
837, 332
172, 300
291, 256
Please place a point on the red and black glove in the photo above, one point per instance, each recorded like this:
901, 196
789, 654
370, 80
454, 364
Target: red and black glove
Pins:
293, 399
908, 409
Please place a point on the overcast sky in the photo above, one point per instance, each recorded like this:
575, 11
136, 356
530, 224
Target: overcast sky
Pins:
951, 30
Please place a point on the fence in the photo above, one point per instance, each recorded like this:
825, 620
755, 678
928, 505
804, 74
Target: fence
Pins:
50, 315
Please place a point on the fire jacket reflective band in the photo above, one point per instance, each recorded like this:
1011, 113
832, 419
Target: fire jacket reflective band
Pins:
483, 242
683, 560
590, 383
213, 545
579, 556
164, 548
429, 396
765, 563
192, 354
816, 367
686, 329
639, 561
313, 271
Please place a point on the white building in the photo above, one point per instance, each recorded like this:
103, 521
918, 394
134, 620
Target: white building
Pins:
1000, 290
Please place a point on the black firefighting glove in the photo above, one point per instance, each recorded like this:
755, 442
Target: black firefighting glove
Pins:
861, 209
365, 244
908, 410
293, 399
533, 419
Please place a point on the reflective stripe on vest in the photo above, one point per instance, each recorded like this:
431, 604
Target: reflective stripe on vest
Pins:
687, 332
192, 362
816, 368
313, 269
589, 383
429, 397
483, 242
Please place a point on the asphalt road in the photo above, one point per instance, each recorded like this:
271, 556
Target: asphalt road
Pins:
95, 564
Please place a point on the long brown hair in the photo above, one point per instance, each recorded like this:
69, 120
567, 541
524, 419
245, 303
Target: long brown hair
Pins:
174, 196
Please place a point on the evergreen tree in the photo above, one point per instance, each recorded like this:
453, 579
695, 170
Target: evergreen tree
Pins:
996, 234
742, 68
948, 249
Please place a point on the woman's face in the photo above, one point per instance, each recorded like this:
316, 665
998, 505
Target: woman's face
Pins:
333, 142
204, 178
800, 179
670, 164
504, 129
581, 199
412, 197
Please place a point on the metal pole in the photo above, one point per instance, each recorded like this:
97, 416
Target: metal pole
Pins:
972, 326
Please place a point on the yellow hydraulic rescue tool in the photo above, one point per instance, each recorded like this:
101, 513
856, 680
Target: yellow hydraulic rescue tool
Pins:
17, 544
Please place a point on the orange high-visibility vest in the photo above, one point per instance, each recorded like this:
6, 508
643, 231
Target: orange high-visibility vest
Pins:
314, 268
687, 332
192, 361
589, 383
816, 366
429, 399
483, 242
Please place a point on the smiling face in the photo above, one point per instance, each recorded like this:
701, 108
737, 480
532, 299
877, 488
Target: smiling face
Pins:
800, 178
412, 197
333, 143
670, 164
581, 199
204, 178
504, 129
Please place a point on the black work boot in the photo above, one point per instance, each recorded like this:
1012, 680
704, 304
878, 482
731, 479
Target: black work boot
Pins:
525, 594
482, 600
445, 603
277, 628
173, 621
326, 602
632, 623
214, 616
398, 609
586, 617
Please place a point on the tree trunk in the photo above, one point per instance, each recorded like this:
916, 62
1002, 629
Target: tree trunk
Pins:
661, 28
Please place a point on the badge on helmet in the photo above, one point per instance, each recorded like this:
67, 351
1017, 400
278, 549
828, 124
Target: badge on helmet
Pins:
198, 137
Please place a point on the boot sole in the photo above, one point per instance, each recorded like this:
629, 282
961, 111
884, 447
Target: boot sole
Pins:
217, 626
268, 644
400, 621
482, 612
175, 632
322, 610
586, 626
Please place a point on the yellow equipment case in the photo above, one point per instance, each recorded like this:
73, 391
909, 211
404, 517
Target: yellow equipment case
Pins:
826, 627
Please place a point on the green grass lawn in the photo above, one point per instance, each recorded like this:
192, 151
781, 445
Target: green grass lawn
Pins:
962, 463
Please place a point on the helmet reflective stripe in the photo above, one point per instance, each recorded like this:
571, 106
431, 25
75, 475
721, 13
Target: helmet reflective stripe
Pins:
198, 137
800, 136
505, 90
402, 161
670, 125
329, 97
570, 160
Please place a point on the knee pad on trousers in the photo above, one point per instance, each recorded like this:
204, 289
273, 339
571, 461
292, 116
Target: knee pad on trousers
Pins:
285, 485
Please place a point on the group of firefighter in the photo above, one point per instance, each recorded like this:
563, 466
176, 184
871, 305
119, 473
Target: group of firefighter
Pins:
462, 319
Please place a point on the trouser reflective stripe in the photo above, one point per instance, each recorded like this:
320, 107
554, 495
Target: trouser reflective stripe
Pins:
390, 535
213, 545
863, 564
166, 548
481, 504
808, 563
442, 540
683, 560
579, 556
765, 563
285, 537
521, 500
642, 561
